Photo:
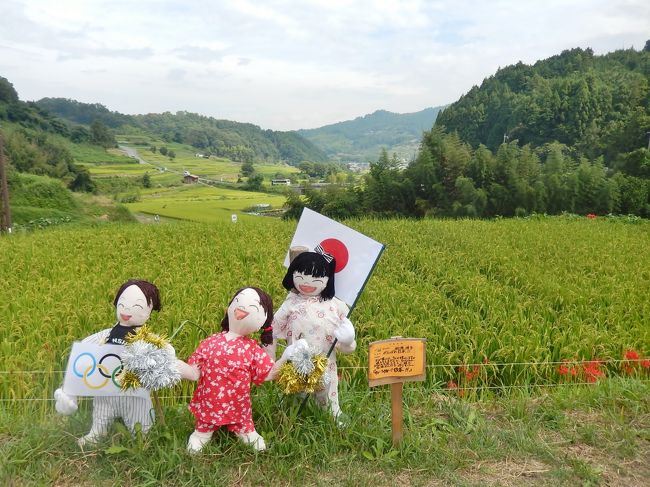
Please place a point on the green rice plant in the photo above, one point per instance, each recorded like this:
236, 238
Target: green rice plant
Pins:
501, 303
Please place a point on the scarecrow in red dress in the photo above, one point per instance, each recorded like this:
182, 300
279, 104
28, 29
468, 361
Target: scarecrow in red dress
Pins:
225, 365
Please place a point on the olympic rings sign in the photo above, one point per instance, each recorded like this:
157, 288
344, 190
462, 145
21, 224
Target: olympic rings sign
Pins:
97, 366
93, 371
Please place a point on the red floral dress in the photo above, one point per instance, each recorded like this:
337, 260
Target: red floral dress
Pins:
222, 396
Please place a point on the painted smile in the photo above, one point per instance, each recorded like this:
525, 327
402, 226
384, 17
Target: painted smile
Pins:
307, 289
240, 314
125, 317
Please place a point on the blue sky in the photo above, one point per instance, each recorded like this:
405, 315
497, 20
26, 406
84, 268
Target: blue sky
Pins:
291, 64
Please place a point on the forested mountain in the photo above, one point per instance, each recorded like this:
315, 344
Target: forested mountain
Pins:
237, 141
576, 135
598, 105
362, 139
34, 140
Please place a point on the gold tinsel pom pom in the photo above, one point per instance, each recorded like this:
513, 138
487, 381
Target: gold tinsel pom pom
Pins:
128, 380
292, 382
146, 335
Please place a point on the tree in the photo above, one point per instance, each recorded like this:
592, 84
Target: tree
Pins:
83, 182
293, 206
163, 150
247, 169
8, 93
146, 180
171, 154
255, 182
101, 135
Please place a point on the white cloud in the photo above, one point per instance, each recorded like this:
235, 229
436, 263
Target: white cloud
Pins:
291, 64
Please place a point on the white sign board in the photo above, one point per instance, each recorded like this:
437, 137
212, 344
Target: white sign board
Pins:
92, 371
355, 253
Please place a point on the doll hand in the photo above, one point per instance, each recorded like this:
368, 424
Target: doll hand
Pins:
64, 404
345, 332
286, 355
189, 372
170, 350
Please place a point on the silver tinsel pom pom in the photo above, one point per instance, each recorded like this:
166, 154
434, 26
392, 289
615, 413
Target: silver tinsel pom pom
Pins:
326, 379
301, 358
155, 367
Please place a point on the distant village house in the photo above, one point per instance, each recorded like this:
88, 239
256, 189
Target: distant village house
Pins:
280, 182
189, 178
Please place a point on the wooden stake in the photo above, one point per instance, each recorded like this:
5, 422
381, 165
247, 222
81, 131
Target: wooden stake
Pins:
158, 407
295, 251
5, 212
396, 410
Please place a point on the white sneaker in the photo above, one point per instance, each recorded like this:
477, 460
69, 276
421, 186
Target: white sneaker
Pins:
197, 441
89, 439
254, 439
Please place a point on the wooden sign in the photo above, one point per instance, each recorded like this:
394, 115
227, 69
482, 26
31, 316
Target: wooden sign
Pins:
396, 360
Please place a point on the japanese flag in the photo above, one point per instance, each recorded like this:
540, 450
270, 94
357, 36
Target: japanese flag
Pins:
355, 254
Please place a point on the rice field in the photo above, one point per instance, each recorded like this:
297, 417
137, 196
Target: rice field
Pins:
515, 296
203, 203
115, 162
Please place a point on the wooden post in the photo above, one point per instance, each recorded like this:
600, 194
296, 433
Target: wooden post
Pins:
394, 362
396, 411
158, 407
5, 214
295, 251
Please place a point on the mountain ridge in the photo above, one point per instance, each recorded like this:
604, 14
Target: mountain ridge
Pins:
362, 138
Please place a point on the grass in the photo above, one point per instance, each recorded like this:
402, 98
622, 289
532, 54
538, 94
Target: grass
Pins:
599, 435
520, 294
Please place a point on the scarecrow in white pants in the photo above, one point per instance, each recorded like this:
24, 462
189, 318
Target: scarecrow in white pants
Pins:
134, 302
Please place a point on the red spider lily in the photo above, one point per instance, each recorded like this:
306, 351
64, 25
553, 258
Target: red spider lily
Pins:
471, 374
451, 385
563, 370
591, 216
645, 363
631, 355
467, 372
592, 370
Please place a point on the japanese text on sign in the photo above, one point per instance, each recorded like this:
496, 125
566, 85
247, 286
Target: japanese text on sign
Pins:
399, 358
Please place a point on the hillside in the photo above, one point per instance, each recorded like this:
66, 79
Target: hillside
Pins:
598, 104
361, 139
234, 140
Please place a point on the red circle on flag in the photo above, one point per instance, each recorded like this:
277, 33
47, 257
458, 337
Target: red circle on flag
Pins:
338, 249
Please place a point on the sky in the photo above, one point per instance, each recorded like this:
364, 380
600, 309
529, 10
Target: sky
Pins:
286, 65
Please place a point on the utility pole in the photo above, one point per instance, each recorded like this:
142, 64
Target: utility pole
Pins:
5, 213
505, 138
648, 133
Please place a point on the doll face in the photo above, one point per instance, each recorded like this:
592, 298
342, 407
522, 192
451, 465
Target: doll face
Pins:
132, 308
246, 314
309, 285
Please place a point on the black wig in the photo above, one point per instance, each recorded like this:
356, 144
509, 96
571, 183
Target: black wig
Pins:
312, 264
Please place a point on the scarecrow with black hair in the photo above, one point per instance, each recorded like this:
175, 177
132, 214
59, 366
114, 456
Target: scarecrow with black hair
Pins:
311, 311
